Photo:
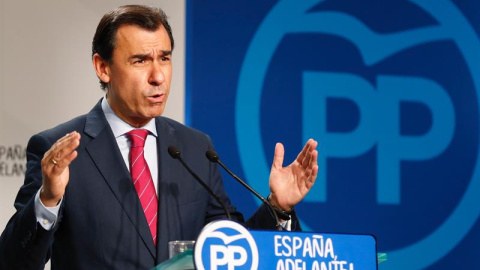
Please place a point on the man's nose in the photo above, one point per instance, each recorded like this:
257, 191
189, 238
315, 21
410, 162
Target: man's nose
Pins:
157, 77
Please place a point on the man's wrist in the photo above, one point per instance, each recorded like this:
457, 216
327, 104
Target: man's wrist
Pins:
282, 214
48, 201
275, 204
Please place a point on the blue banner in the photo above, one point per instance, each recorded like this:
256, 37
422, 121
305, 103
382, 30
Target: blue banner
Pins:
389, 89
228, 245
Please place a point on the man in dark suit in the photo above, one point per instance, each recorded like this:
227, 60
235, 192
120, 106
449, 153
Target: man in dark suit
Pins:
81, 204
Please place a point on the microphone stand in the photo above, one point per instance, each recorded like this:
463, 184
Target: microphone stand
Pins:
213, 157
175, 154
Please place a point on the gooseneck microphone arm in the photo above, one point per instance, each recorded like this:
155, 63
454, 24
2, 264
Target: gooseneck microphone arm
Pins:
176, 154
213, 157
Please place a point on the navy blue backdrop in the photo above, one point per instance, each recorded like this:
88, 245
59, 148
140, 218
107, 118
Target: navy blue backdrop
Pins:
390, 89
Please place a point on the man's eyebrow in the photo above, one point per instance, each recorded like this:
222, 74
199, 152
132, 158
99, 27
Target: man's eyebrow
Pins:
140, 56
166, 52
146, 55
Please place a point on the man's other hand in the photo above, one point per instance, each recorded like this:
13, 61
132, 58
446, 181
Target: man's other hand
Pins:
55, 173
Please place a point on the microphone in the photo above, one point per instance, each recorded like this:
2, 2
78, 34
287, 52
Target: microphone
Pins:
175, 154
213, 157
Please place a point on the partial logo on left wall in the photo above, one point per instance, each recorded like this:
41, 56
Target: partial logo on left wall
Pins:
12, 160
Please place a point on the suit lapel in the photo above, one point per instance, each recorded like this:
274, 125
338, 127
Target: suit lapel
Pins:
105, 153
168, 225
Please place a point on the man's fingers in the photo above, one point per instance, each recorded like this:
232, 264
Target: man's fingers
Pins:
311, 178
64, 162
62, 153
278, 156
68, 147
303, 153
307, 151
312, 168
66, 153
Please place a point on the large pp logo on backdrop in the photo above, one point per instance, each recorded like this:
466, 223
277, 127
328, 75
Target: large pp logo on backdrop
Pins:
379, 109
378, 103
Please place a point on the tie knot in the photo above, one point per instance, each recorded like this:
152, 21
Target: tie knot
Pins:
138, 137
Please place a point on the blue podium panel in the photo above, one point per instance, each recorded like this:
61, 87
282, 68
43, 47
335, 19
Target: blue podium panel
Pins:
228, 245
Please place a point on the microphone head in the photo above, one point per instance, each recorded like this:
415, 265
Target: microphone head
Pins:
174, 151
212, 156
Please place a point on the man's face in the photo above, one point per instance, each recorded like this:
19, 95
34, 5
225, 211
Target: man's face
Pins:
139, 74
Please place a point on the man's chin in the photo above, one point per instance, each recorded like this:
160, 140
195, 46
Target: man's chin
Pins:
157, 111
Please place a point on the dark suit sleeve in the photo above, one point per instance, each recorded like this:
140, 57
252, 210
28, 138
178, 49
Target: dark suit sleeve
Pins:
264, 219
24, 244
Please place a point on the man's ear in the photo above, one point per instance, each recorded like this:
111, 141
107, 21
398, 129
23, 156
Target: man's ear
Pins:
101, 68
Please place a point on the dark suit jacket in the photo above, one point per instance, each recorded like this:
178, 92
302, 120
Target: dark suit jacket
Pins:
101, 224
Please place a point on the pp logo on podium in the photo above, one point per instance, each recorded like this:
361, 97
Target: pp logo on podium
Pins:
225, 245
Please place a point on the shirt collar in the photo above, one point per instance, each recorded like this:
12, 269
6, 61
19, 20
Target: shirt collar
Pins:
120, 127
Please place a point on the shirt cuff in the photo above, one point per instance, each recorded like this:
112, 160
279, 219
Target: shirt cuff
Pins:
46, 216
287, 225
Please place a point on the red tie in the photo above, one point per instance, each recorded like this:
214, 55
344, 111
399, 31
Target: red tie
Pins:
142, 179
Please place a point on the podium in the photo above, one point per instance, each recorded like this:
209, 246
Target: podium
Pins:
228, 245
184, 261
